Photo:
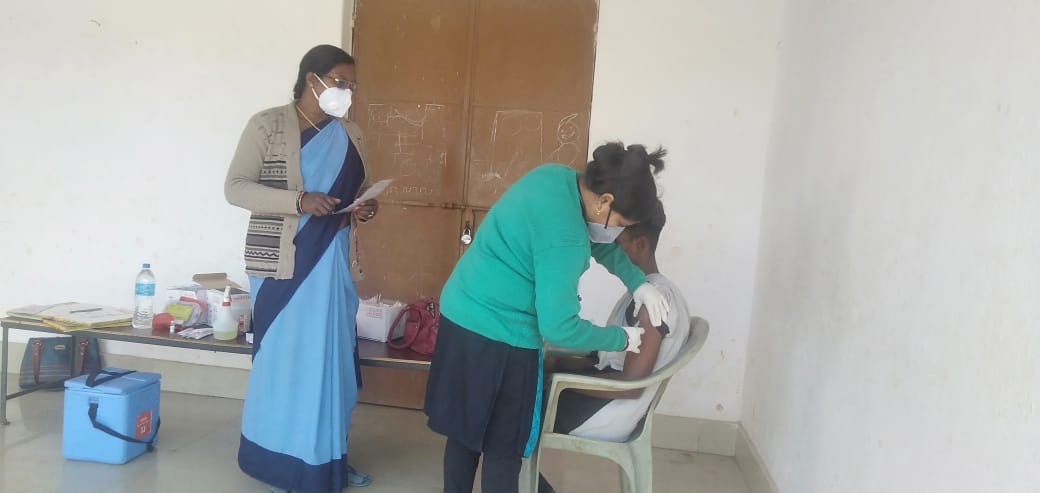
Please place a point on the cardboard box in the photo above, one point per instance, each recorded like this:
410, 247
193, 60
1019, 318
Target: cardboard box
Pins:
374, 318
214, 280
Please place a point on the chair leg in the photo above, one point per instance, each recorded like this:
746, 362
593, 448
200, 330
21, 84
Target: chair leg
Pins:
627, 483
529, 473
643, 475
524, 479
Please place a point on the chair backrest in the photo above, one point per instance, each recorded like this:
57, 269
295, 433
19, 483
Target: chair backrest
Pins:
698, 334
694, 343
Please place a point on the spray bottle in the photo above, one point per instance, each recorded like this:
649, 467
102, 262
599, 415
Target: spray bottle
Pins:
225, 327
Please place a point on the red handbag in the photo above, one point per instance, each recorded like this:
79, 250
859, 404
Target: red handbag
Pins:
420, 328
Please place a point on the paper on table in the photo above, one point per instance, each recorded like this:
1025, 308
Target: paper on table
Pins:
75, 315
372, 192
197, 333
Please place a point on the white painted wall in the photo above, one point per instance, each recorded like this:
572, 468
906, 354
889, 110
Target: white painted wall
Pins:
894, 341
697, 78
124, 131
119, 120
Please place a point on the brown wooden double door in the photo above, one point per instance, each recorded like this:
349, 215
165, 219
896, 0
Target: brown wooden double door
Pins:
458, 99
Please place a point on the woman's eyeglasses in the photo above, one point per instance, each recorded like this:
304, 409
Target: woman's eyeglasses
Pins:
343, 84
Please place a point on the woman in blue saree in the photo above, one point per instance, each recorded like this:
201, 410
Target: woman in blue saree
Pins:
295, 165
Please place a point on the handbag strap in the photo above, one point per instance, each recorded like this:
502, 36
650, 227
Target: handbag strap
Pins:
407, 341
92, 414
37, 348
94, 381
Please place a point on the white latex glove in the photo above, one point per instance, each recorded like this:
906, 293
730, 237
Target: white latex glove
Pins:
635, 338
656, 306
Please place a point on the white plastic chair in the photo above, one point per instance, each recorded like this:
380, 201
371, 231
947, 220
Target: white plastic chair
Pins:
635, 456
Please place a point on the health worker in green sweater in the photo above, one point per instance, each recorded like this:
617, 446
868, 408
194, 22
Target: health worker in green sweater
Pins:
515, 289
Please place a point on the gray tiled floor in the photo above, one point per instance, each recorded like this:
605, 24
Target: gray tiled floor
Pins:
199, 440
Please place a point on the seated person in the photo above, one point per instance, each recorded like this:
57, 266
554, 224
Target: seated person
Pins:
613, 416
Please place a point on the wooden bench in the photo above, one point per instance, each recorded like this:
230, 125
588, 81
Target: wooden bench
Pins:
392, 377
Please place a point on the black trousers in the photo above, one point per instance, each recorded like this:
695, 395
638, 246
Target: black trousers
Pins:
499, 474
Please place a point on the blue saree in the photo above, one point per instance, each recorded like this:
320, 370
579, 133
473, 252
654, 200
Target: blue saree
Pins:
304, 380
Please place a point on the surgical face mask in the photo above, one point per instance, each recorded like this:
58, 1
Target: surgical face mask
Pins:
333, 101
601, 233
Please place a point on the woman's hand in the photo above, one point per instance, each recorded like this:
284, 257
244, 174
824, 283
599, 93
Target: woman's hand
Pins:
366, 210
318, 204
638, 364
635, 339
656, 305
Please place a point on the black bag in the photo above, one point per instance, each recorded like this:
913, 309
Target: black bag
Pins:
48, 361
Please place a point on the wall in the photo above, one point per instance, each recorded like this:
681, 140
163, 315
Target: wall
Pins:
697, 78
125, 127
895, 332
119, 121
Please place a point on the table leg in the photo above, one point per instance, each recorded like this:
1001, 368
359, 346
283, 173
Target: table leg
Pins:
3, 379
75, 357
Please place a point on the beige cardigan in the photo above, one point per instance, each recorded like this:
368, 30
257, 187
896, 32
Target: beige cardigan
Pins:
264, 177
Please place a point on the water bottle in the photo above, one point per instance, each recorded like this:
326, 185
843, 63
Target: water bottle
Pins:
144, 297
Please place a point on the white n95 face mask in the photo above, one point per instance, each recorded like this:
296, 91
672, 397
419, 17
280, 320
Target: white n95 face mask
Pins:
333, 101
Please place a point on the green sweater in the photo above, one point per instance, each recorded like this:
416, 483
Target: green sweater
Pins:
518, 282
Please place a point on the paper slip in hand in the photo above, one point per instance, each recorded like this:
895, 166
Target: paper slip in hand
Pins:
372, 192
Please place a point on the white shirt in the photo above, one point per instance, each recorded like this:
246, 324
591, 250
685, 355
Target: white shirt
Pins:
617, 419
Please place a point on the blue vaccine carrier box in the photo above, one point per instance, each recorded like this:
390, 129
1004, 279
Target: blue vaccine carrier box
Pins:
111, 416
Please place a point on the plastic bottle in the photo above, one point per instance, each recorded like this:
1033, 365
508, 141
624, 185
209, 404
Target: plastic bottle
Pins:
144, 298
225, 327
